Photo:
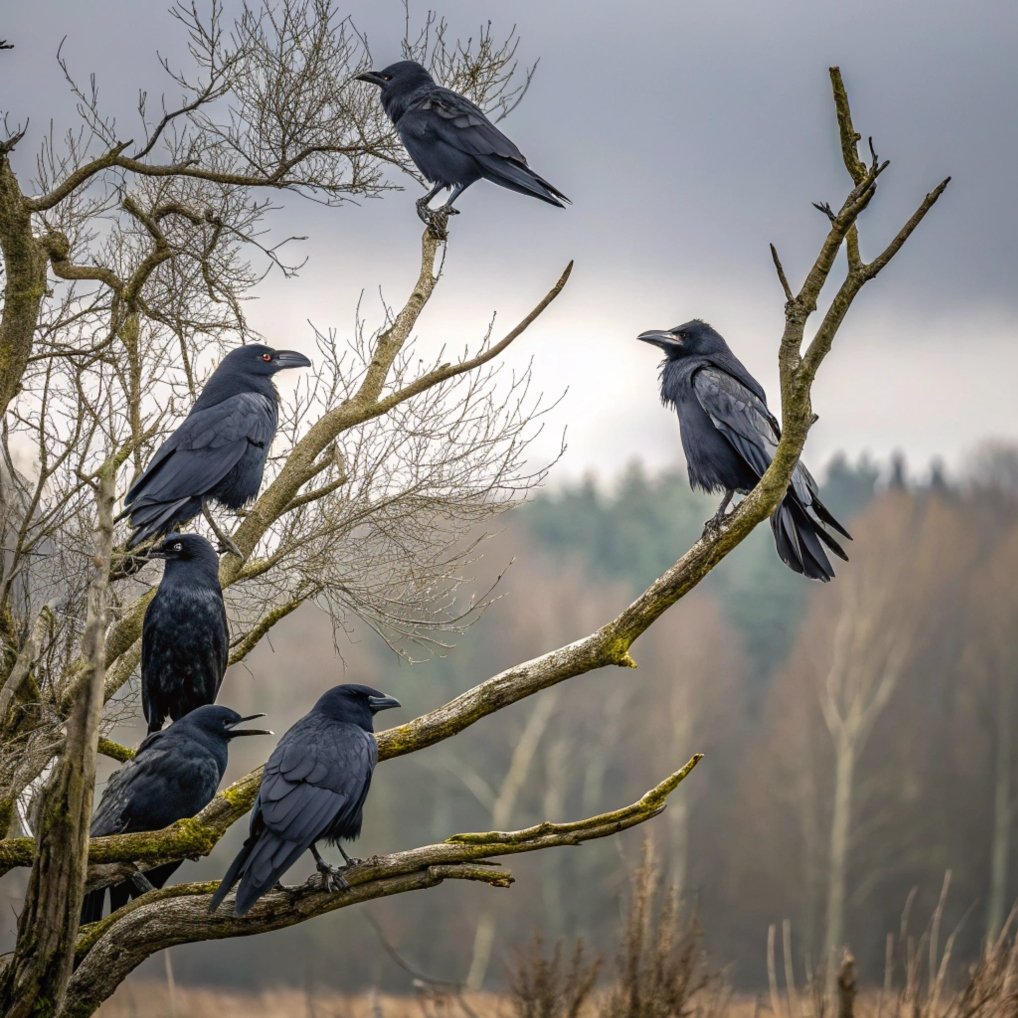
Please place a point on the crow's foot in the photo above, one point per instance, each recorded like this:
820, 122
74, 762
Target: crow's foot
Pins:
332, 877
712, 527
436, 220
226, 543
351, 860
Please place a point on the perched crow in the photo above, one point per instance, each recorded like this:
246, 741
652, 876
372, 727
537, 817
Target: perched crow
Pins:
173, 775
314, 787
219, 451
452, 142
185, 638
729, 437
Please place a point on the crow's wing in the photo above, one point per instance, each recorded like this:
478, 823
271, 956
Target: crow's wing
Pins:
743, 418
313, 784
444, 115
205, 448
163, 783
739, 415
316, 780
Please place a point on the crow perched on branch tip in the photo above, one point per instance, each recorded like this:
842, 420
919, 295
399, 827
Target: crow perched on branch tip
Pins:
729, 438
451, 140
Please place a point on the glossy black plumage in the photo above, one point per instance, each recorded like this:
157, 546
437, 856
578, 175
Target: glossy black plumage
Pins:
219, 450
185, 638
729, 437
450, 139
173, 775
313, 788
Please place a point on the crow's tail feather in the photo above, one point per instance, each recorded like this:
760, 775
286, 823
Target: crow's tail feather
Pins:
92, 906
232, 874
827, 517
161, 517
521, 178
798, 539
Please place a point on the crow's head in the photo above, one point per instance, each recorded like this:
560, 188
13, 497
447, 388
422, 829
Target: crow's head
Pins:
354, 703
695, 338
257, 361
219, 722
405, 74
190, 548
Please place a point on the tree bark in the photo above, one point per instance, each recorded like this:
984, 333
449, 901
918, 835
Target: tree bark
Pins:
841, 826
25, 287
35, 980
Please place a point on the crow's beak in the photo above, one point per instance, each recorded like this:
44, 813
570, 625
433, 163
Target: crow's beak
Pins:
157, 553
291, 359
373, 76
378, 703
661, 338
234, 731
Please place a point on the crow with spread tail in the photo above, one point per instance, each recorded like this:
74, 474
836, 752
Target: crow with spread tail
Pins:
450, 139
729, 437
313, 788
174, 774
219, 451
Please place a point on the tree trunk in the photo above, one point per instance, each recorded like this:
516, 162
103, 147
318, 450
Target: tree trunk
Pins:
25, 265
34, 982
841, 826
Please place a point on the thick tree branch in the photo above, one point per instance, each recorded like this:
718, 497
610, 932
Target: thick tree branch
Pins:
41, 964
179, 915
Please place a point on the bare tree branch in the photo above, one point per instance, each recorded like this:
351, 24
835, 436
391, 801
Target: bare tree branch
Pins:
180, 914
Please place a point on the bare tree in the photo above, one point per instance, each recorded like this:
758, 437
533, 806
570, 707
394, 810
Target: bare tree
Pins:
126, 264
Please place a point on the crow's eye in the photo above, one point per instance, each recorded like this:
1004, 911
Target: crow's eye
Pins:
178, 546
386, 77
266, 357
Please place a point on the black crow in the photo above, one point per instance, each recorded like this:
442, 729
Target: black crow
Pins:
185, 637
174, 774
219, 451
729, 437
451, 140
314, 787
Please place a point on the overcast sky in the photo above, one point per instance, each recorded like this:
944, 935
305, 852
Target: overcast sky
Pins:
689, 136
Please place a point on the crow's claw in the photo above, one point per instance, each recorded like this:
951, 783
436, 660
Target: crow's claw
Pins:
332, 877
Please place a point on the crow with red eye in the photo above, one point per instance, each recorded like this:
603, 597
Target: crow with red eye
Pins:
218, 452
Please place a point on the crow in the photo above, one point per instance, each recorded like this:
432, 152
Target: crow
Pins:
185, 637
314, 787
219, 451
173, 775
729, 437
451, 140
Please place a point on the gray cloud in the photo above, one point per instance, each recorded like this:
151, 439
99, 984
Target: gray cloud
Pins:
689, 137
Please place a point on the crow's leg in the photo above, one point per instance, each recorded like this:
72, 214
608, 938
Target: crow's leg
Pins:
332, 876
447, 207
437, 220
141, 883
713, 525
350, 860
225, 541
422, 203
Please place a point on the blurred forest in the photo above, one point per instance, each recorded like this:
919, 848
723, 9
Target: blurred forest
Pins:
859, 737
